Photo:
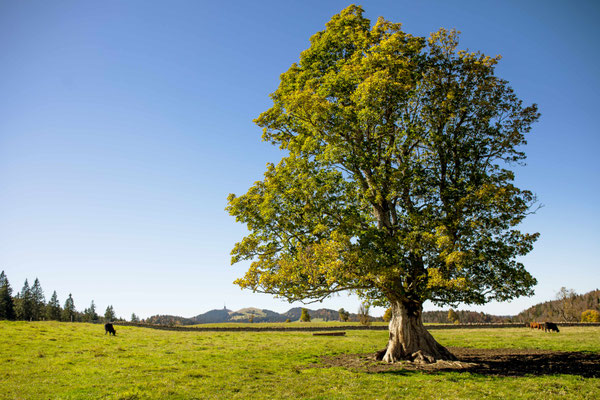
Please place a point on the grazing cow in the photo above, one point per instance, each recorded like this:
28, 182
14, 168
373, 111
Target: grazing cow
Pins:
533, 325
536, 325
550, 326
109, 328
539, 326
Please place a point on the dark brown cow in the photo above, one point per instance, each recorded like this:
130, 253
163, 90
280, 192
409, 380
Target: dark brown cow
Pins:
109, 328
550, 326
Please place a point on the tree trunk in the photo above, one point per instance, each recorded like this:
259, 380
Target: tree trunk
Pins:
409, 340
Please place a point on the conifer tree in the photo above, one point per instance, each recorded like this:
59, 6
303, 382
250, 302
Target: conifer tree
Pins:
134, 318
68, 313
24, 304
7, 306
90, 314
53, 309
38, 301
109, 314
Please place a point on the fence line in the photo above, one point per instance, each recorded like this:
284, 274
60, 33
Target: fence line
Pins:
197, 328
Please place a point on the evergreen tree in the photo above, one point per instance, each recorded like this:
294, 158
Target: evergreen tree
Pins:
38, 301
89, 314
7, 306
53, 309
134, 318
68, 313
24, 304
109, 314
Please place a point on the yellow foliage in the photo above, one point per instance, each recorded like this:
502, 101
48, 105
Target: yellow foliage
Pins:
590, 316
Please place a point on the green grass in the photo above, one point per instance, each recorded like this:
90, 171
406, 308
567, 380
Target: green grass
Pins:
584, 339
296, 324
50, 360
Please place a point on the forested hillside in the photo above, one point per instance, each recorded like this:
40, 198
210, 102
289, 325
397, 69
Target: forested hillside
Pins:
169, 320
567, 308
464, 317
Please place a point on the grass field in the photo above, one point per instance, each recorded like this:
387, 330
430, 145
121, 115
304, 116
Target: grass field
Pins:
296, 324
51, 360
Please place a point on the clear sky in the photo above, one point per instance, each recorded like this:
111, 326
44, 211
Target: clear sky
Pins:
124, 125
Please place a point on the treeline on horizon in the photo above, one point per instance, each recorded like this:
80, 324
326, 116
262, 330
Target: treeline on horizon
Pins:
30, 305
434, 317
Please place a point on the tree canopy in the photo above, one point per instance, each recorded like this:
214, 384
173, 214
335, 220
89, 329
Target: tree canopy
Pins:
396, 181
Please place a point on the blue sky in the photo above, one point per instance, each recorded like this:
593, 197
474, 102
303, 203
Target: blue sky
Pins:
125, 125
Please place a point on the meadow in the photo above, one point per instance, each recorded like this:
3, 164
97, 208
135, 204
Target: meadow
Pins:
52, 360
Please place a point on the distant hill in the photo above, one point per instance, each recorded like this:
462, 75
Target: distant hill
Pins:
568, 310
212, 317
323, 314
548, 311
246, 315
256, 315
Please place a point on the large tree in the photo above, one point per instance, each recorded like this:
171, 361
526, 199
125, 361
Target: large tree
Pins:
396, 180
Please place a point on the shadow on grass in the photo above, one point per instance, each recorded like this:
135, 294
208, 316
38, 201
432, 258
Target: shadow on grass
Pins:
586, 365
492, 362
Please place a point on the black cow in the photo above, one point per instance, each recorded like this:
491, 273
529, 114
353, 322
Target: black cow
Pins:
109, 328
550, 326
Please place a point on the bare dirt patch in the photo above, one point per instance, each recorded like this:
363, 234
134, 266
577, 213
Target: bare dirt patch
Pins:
498, 362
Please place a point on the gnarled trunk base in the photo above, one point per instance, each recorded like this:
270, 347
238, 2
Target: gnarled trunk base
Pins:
409, 340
